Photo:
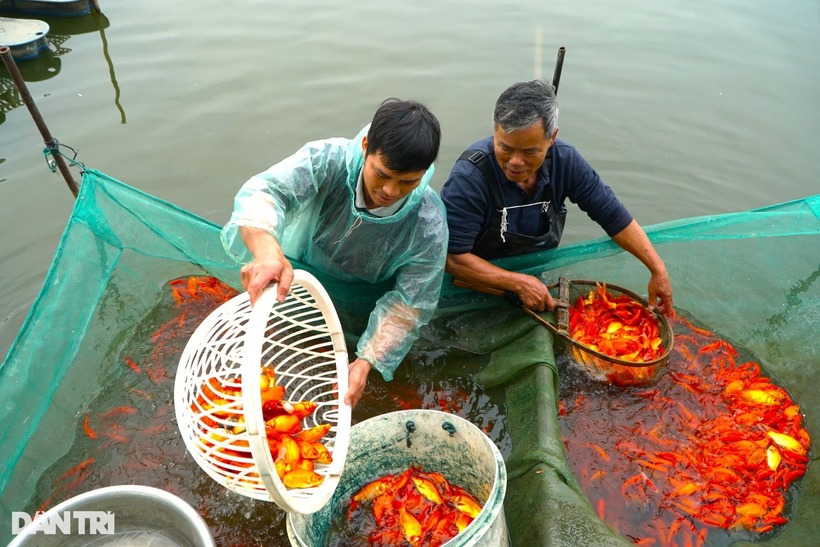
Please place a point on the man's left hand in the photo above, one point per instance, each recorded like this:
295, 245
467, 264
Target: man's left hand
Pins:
660, 294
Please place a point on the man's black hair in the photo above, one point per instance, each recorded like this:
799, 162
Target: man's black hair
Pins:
406, 134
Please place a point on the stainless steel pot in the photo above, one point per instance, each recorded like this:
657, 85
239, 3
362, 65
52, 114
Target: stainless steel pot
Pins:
123, 515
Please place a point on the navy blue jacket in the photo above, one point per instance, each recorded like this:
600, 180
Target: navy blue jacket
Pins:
470, 204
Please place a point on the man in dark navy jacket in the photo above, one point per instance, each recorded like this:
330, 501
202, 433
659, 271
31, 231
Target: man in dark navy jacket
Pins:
505, 196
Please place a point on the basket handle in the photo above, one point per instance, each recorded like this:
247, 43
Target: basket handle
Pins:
561, 304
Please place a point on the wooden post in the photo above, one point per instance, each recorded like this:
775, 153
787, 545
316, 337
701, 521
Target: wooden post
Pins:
51, 142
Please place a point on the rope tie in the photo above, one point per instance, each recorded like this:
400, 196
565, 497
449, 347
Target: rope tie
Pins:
545, 205
53, 149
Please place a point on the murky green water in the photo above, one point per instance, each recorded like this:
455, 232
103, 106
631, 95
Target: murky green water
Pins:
127, 432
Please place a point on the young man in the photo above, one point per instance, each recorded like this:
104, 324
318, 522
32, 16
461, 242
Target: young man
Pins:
506, 194
357, 210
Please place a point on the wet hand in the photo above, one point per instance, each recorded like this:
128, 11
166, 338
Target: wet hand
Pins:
660, 294
534, 294
357, 379
262, 271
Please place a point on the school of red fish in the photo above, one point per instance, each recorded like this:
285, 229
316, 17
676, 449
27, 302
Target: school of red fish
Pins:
710, 450
615, 325
126, 423
708, 454
414, 507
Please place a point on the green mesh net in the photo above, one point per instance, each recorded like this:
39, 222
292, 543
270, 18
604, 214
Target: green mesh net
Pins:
751, 277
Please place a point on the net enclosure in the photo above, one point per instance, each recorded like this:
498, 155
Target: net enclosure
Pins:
751, 277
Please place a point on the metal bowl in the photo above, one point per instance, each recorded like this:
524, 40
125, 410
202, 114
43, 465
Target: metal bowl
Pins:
124, 515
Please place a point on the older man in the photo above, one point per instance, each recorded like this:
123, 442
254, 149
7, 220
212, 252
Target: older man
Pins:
506, 194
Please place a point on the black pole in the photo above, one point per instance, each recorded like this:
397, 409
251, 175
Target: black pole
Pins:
559, 65
50, 141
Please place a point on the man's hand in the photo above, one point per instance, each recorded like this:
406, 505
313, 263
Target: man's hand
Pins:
660, 294
357, 379
534, 294
261, 272
479, 272
634, 240
269, 265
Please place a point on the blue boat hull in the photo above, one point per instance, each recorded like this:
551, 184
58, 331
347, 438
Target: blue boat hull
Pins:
53, 8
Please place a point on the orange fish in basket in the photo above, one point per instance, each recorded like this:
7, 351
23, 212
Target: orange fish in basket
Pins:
270, 391
289, 450
301, 478
308, 450
325, 456
314, 433
286, 424
615, 325
273, 394
301, 409
307, 465
295, 451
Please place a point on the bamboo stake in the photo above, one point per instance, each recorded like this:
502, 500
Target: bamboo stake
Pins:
51, 142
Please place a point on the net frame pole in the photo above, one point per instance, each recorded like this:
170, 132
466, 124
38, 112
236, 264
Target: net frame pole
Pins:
50, 142
559, 66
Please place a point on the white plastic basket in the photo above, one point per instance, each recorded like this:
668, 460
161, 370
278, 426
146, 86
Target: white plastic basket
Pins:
218, 389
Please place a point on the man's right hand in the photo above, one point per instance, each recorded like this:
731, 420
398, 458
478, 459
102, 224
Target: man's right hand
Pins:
479, 272
269, 265
534, 294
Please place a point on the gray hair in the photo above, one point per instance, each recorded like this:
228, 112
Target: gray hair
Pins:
523, 104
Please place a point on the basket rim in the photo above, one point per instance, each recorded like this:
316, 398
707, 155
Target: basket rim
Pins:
248, 333
283, 496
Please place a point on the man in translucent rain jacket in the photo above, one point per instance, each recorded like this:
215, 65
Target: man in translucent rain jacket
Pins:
357, 210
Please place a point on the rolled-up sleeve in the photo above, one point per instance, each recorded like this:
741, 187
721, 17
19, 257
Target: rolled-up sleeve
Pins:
586, 189
467, 200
